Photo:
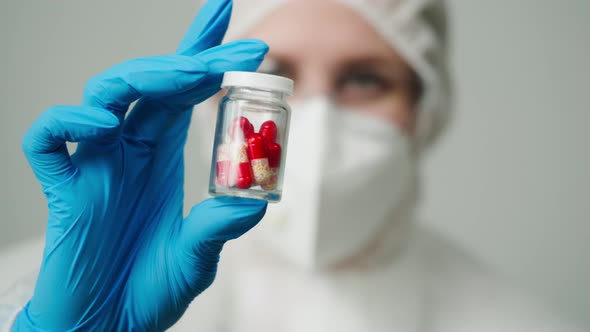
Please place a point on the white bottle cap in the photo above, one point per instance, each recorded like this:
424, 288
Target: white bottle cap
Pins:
258, 81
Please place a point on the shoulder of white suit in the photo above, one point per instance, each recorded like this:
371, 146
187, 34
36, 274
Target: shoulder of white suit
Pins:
465, 295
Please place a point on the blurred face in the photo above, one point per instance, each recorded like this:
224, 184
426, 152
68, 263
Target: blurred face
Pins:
329, 50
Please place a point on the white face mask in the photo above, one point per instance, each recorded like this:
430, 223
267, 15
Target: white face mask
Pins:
346, 176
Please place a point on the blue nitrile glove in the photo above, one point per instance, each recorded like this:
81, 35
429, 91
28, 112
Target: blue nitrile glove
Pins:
118, 255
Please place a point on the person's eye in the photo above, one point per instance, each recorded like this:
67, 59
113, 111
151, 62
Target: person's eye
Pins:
365, 80
358, 86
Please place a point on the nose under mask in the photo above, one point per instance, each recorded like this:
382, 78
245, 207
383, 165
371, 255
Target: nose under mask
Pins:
347, 177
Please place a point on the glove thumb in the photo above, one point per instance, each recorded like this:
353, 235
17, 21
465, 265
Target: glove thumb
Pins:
208, 226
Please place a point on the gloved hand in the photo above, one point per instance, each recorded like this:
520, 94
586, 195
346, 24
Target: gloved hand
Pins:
118, 255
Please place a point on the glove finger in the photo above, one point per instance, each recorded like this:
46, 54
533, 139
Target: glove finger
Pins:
151, 119
241, 55
156, 77
208, 27
221, 219
44, 143
208, 226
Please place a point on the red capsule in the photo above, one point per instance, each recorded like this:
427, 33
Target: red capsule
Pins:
242, 121
258, 160
237, 153
244, 180
223, 165
272, 182
241, 128
274, 155
269, 131
223, 169
256, 147
223, 152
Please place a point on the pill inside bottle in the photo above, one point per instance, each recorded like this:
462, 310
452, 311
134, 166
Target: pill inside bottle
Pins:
251, 136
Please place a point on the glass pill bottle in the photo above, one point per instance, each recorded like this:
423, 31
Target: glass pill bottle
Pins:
251, 136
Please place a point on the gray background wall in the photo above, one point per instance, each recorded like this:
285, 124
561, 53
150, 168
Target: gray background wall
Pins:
509, 182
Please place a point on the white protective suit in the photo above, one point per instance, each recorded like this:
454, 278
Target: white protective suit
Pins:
396, 275
391, 273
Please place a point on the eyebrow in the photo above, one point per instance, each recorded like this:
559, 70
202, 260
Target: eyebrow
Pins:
373, 57
385, 66
390, 65
355, 60
398, 70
